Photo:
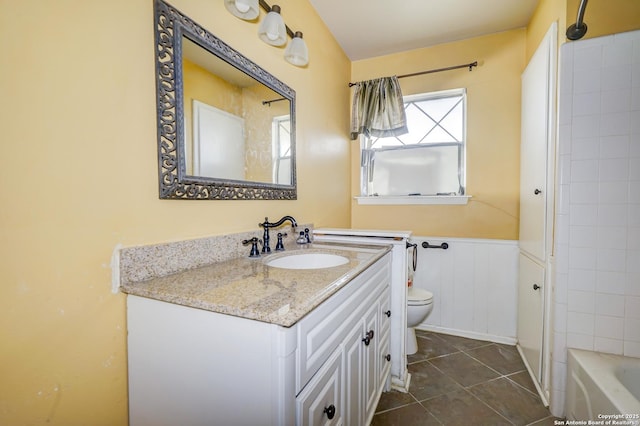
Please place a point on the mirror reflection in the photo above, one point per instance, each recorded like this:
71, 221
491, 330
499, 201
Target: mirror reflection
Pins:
235, 127
226, 126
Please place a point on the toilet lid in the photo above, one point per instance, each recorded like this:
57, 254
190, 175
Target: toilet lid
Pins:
418, 296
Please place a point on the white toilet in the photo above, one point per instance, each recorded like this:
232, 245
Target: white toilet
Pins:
419, 306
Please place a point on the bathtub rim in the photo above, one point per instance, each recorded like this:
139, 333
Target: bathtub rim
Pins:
601, 369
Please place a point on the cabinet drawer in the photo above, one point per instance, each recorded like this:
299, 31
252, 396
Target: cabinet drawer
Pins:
322, 331
321, 402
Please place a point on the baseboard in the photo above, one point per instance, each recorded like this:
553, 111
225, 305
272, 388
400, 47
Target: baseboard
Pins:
401, 385
468, 334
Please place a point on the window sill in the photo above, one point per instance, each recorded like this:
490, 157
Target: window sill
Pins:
413, 200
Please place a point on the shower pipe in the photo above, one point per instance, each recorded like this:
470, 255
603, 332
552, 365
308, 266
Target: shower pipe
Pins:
455, 67
579, 29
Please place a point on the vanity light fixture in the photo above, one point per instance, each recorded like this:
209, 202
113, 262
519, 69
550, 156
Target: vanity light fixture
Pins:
272, 29
243, 9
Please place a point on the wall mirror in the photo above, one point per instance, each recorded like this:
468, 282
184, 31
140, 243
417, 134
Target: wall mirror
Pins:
226, 127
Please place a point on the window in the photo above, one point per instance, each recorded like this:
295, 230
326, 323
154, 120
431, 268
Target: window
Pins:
427, 161
281, 137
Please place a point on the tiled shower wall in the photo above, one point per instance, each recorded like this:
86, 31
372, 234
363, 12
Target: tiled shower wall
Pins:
597, 285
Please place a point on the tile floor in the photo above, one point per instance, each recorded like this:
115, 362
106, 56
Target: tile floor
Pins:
458, 381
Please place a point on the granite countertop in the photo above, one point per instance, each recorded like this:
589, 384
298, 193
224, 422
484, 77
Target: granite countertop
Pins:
247, 287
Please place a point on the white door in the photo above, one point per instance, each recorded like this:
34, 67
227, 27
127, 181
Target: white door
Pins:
535, 132
531, 282
218, 143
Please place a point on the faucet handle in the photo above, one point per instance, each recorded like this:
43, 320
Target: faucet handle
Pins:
301, 238
254, 246
279, 244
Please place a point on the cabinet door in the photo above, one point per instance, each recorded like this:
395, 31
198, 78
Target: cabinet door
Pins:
530, 312
535, 138
321, 401
353, 385
384, 348
370, 370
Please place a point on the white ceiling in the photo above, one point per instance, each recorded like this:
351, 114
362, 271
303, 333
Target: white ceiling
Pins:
369, 28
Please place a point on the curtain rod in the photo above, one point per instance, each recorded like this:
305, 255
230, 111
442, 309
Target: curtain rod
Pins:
455, 67
268, 103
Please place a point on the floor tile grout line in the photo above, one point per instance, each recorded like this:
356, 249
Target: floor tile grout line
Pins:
466, 388
435, 338
489, 406
519, 385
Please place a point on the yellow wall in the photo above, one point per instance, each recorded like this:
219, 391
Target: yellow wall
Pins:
547, 12
80, 176
602, 18
493, 136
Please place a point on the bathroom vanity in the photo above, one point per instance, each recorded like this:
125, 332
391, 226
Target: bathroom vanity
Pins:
240, 342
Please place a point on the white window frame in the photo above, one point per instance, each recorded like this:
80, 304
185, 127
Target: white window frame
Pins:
277, 159
423, 199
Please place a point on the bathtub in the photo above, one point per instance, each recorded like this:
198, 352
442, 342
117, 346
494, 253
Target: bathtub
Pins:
602, 388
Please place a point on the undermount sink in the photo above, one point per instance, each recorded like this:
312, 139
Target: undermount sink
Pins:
308, 261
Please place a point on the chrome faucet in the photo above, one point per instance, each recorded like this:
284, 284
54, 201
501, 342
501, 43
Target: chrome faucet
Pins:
266, 225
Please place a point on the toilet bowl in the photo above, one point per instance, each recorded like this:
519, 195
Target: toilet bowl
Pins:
419, 306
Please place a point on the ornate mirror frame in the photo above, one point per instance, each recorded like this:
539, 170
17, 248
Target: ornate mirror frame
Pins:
170, 26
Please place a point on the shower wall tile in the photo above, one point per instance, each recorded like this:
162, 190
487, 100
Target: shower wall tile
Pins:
614, 237
583, 192
611, 282
580, 322
581, 301
583, 258
632, 349
587, 81
632, 329
632, 307
586, 103
613, 169
612, 192
616, 146
580, 341
561, 290
582, 279
584, 171
633, 239
559, 347
635, 95
607, 345
599, 137
616, 77
582, 236
583, 214
617, 123
615, 100
610, 327
610, 304
612, 260
586, 149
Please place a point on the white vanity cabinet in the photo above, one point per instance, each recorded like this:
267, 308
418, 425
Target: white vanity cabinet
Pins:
197, 367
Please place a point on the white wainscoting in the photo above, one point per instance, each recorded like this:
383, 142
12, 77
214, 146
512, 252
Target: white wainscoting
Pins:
474, 284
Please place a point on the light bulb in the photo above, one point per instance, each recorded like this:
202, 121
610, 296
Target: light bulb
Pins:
242, 7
